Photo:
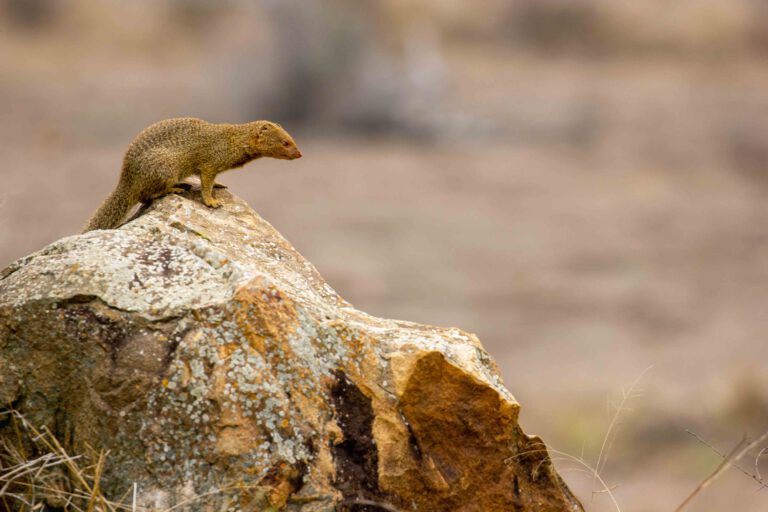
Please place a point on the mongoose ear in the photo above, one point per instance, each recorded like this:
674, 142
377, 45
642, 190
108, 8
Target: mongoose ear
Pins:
261, 131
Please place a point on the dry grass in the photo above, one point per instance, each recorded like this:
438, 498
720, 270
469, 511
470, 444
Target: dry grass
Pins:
69, 482
600, 486
53, 479
610, 434
580, 464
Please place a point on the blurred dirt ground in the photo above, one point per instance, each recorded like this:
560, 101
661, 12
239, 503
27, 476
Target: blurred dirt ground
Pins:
589, 214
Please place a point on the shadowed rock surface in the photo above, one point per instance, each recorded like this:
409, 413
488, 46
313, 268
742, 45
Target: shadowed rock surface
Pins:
219, 369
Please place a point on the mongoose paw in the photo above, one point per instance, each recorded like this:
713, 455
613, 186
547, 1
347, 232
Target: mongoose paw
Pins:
176, 190
212, 203
219, 185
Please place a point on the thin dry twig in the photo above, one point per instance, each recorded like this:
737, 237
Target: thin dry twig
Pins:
757, 463
739, 455
729, 460
719, 470
96, 492
602, 457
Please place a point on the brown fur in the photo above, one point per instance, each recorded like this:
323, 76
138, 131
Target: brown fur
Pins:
167, 152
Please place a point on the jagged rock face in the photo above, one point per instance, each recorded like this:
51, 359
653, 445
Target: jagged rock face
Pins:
219, 369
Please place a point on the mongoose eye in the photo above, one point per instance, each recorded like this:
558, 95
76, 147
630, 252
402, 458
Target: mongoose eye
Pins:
286, 143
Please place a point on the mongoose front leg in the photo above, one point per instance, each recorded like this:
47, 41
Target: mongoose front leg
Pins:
207, 177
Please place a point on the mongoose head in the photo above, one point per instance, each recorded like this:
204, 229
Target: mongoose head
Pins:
273, 141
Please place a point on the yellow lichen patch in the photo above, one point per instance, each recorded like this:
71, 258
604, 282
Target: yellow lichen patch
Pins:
237, 440
226, 350
360, 363
353, 339
263, 310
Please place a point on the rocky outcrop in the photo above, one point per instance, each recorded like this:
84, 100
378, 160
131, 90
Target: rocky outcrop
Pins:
219, 370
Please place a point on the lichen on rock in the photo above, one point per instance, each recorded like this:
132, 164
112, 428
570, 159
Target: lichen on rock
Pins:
220, 370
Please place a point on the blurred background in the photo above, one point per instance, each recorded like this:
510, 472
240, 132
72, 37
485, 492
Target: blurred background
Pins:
582, 183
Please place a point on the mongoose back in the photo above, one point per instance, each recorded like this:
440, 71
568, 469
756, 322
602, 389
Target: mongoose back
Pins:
167, 152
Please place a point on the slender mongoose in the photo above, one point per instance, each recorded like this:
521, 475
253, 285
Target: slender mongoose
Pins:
167, 152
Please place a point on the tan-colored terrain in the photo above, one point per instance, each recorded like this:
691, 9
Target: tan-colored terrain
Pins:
607, 214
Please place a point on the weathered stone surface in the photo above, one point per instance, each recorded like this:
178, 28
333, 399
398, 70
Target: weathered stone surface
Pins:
216, 366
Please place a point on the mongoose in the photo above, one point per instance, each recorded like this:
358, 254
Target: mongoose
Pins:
167, 152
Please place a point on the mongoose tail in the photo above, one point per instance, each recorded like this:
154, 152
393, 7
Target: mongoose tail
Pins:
114, 209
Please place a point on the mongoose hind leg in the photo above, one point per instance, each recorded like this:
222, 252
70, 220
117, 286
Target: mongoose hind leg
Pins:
207, 177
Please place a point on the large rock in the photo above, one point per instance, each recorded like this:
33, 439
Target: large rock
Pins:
219, 370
